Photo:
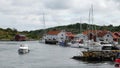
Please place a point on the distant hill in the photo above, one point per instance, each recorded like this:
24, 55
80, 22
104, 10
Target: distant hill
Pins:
8, 34
74, 28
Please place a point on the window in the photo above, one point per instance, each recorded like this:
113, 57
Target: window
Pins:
101, 39
106, 39
83, 36
54, 39
115, 48
106, 48
107, 35
61, 34
109, 48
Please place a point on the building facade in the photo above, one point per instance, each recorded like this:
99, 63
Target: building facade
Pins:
55, 36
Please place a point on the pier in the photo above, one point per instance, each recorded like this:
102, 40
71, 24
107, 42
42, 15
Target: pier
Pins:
98, 55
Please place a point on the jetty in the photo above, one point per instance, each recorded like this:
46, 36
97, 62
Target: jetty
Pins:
99, 53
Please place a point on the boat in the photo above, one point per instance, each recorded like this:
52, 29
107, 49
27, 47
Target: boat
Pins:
117, 60
75, 44
79, 40
63, 43
99, 53
79, 44
23, 49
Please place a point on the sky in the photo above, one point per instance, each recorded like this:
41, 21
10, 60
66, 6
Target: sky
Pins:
28, 14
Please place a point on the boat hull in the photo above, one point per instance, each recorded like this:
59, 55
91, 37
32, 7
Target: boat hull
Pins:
50, 42
23, 51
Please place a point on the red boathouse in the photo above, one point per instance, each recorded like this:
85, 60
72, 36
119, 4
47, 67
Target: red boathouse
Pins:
19, 37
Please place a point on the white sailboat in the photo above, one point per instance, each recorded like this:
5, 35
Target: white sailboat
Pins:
79, 40
93, 44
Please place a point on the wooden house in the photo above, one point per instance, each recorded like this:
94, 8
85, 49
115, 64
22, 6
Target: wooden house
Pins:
20, 37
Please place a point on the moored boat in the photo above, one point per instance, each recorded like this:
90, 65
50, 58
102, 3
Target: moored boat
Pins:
99, 53
23, 49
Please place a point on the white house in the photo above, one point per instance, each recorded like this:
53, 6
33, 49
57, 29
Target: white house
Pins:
55, 36
99, 36
105, 37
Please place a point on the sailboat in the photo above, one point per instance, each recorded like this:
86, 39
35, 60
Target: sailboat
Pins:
88, 42
78, 41
93, 44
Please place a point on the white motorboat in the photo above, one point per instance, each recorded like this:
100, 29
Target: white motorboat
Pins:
74, 45
103, 47
23, 49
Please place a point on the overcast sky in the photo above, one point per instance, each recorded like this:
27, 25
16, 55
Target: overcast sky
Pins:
28, 14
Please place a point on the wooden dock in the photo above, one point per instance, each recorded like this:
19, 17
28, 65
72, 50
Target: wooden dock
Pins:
98, 55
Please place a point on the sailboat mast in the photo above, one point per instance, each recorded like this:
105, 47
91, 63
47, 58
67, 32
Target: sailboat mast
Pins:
92, 16
44, 20
80, 25
89, 21
92, 23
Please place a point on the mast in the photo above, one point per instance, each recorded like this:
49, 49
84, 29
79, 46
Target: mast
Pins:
94, 27
92, 16
92, 21
44, 23
93, 24
80, 25
89, 20
44, 20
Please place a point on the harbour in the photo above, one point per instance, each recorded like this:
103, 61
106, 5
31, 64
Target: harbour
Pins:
44, 56
59, 34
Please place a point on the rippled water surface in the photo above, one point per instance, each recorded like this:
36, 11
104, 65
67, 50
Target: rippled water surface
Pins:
43, 56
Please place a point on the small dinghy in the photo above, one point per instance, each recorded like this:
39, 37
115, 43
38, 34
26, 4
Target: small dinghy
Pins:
23, 49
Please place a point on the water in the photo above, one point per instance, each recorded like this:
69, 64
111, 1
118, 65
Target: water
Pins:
43, 56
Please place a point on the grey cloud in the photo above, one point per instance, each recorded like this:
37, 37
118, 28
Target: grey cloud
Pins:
57, 4
27, 14
22, 3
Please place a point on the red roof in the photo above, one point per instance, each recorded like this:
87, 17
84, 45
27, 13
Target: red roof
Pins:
69, 34
116, 35
99, 33
54, 32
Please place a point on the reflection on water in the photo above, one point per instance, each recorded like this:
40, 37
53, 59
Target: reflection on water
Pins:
43, 56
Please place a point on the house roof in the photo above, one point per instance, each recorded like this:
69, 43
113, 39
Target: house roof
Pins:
69, 34
54, 32
20, 35
116, 35
102, 33
99, 33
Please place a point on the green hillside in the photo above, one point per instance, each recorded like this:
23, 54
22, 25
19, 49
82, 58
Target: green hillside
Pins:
8, 34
